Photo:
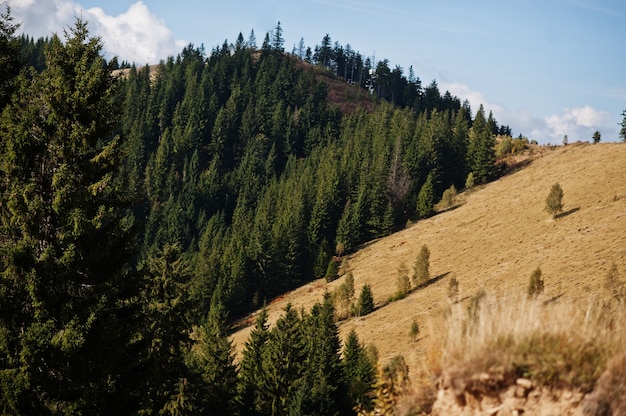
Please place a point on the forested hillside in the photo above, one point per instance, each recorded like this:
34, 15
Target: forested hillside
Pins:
140, 214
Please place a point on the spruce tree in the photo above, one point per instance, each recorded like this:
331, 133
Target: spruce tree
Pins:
9, 54
365, 304
622, 131
481, 148
213, 374
426, 198
253, 398
359, 371
554, 200
67, 292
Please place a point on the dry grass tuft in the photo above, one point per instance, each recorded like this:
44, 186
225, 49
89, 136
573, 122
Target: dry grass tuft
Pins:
555, 344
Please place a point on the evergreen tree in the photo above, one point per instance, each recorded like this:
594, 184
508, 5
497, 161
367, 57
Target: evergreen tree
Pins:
166, 332
365, 304
481, 148
426, 198
284, 361
9, 54
254, 399
554, 200
622, 131
213, 373
359, 371
596, 137
67, 291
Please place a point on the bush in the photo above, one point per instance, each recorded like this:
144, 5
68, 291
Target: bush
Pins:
403, 283
554, 201
535, 283
469, 182
421, 268
448, 198
453, 289
414, 331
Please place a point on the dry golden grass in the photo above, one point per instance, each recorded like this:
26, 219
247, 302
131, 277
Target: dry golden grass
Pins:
493, 240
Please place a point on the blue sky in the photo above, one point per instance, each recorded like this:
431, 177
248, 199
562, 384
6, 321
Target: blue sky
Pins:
545, 67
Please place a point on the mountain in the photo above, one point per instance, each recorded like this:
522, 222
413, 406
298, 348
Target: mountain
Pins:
493, 240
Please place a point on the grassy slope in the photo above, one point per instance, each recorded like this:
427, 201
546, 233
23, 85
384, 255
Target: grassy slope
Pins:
494, 240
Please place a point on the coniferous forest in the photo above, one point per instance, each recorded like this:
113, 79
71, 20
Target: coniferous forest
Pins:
141, 214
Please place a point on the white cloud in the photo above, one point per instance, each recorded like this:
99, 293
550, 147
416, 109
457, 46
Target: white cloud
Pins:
578, 123
136, 35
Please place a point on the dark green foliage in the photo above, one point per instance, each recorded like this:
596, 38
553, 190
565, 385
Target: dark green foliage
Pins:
166, 332
596, 137
10, 59
481, 148
365, 303
68, 296
535, 283
622, 131
359, 371
426, 198
212, 372
332, 271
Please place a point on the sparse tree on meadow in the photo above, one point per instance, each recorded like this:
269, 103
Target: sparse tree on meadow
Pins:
403, 283
421, 268
535, 283
622, 132
365, 305
596, 137
565, 140
554, 201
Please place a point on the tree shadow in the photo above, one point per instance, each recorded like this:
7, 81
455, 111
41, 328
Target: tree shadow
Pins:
552, 299
566, 213
430, 281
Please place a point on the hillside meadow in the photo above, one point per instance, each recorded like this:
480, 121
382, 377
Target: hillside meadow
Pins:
493, 239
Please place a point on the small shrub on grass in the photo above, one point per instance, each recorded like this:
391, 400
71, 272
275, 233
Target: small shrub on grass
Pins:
448, 199
614, 285
554, 201
453, 289
535, 284
403, 283
414, 331
343, 296
469, 182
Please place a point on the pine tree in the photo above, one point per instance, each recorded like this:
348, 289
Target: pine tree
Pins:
426, 198
213, 373
166, 332
67, 295
359, 371
365, 304
481, 148
622, 131
9, 54
254, 399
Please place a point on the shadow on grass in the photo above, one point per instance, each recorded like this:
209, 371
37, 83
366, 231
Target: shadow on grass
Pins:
430, 282
552, 299
566, 213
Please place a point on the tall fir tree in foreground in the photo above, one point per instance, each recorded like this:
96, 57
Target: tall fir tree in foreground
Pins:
66, 294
